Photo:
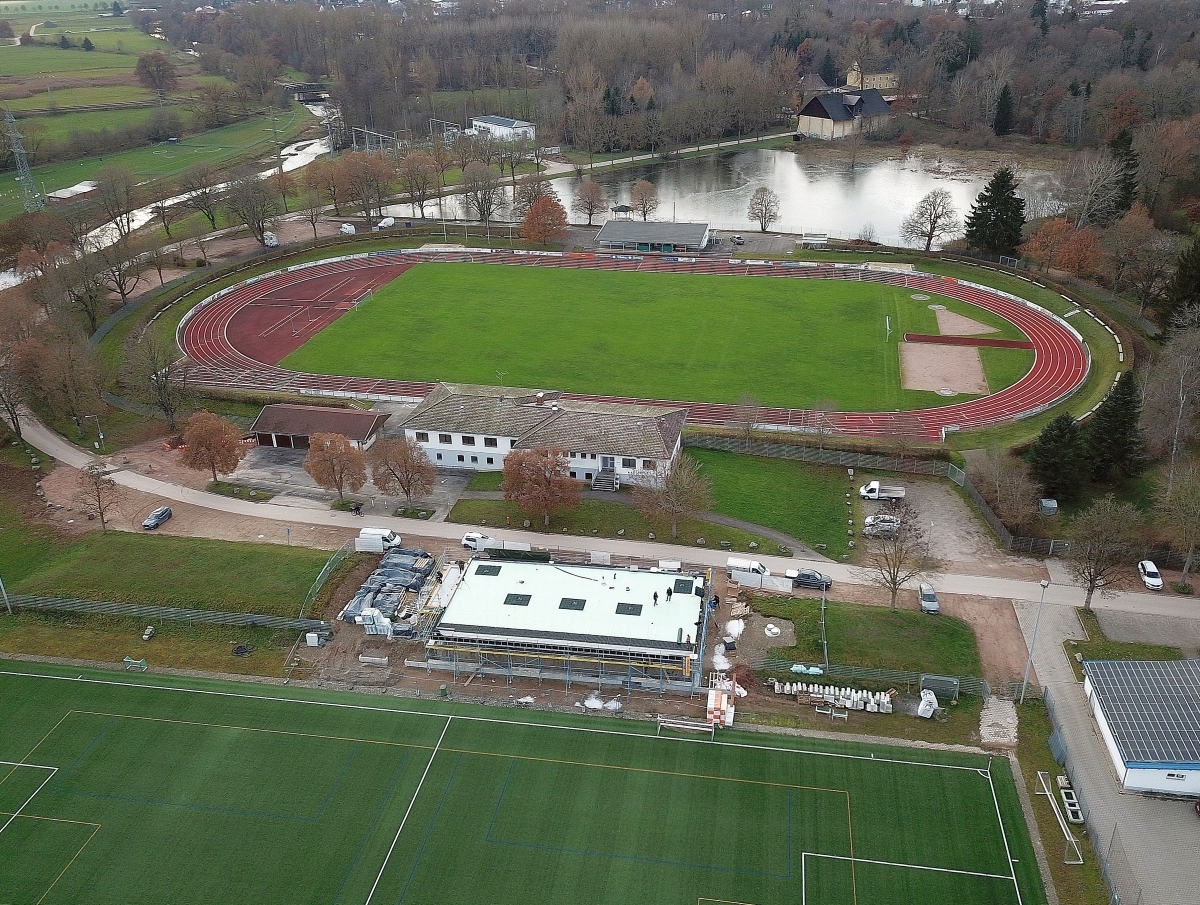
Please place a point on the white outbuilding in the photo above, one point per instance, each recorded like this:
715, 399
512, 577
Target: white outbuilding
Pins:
1148, 713
502, 128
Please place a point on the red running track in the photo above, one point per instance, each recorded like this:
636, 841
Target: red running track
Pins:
229, 344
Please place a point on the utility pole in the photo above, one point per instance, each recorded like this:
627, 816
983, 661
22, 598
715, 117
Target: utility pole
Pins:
33, 200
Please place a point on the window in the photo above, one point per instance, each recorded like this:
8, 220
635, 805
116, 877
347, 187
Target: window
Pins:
629, 609
572, 603
445, 438
422, 437
487, 570
468, 440
587, 475
517, 600
439, 457
474, 460
649, 464
512, 444
573, 475
593, 455
490, 462
1180, 776
489, 442
629, 463
461, 459
683, 586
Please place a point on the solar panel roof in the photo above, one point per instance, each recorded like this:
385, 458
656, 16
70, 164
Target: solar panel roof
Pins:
1152, 708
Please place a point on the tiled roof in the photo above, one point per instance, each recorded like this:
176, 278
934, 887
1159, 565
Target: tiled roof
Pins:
595, 427
306, 420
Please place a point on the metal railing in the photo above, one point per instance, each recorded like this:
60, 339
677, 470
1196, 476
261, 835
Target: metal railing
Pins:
816, 455
177, 614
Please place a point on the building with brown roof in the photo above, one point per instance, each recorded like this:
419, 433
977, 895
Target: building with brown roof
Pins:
467, 426
290, 426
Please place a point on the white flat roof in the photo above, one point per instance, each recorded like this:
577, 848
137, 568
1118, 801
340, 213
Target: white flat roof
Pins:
574, 606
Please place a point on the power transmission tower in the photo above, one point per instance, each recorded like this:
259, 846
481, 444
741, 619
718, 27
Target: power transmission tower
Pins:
33, 198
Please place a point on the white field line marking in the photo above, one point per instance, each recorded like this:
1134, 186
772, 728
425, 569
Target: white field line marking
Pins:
417, 793
479, 719
17, 813
1004, 835
940, 870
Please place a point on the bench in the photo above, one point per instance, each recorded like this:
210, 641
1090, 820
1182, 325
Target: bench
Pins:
131, 663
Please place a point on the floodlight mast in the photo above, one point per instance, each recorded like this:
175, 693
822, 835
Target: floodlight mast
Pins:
1033, 641
33, 199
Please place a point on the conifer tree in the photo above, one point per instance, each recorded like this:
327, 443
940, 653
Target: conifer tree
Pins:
1184, 288
1058, 459
828, 70
1003, 123
994, 224
1113, 437
1121, 146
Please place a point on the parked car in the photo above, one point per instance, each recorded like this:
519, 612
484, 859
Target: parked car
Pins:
881, 518
1150, 575
885, 531
157, 517
737, 240
809, 578
929, 601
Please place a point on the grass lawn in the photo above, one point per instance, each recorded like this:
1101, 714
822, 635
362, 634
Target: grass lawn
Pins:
806, 502
59, 126
486, 480
873, 636
41, 59
155, 569
665, 336
289, 797
601, 519
1098, 647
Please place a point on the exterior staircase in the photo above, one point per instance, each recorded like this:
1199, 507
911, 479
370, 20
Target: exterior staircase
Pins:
606, 479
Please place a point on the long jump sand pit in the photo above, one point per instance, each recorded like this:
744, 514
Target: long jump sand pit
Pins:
951, 324
927, 366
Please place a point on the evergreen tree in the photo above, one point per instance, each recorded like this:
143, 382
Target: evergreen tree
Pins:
1003, 123
1113, 438
1121, 146
994, 224
1184, 288
828, 70
1045, 27
1058, 459
1038, 10
87, 44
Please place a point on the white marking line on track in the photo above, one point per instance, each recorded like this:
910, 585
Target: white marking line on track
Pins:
1004, 836
417, 793
18, 811
939, 870
480, 719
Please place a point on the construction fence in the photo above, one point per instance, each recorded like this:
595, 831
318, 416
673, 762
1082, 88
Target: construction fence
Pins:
148, 612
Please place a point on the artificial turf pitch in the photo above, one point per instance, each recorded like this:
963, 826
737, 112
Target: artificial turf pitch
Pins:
692, 337
155, 790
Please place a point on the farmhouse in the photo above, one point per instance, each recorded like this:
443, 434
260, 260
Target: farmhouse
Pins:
652, 235
290, 426
882, 81
1148, 713
502, 128
466, 426
638, 628
839, 114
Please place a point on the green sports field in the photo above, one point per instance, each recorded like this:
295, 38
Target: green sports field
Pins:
705, 338
152, 790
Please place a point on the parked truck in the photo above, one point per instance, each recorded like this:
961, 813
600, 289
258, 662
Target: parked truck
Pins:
473, 540
377, 540
876, 491
745, 565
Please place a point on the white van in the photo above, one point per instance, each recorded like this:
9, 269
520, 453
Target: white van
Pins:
377, 540
745, 565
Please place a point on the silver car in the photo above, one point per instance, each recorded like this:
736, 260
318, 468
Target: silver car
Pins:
929, 601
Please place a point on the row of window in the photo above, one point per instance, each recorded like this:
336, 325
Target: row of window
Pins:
474, 459
570, 603
467, 440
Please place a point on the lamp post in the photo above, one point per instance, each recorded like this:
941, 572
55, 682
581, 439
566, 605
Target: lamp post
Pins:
99, 431
1033, 642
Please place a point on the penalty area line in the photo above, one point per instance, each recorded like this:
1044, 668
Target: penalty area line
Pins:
25, 803
408, 811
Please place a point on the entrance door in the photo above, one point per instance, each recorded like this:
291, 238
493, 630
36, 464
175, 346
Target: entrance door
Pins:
607, 463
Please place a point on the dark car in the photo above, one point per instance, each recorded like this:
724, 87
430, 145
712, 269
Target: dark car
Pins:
809, 578
157, 517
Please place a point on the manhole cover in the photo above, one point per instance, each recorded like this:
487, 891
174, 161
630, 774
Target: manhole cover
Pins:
937, 307
946, 391
921, 298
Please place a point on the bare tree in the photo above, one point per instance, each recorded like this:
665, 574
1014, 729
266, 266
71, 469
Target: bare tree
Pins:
528, 192
644, 198
201, 187
1104, 540
401, 466
152, 375
1092, 183
1005, 482
1179, 512
748, 411
98, 494
166, 214
122, 267
81, 280
537, 481
418, 174
512, 154
482, 191
336, 463
117, 196
211, 443
60, 373
764, 208
674, 491
310, 209
891, 562
252, 202
932, 220
1172, 395
590, 200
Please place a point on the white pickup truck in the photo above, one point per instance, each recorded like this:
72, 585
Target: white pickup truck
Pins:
745, 565
473, 540
876, 491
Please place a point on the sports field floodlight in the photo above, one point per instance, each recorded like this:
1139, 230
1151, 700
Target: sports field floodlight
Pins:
1033, 641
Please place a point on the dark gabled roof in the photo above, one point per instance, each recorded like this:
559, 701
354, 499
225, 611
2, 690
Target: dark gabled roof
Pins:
653, 232
842, 106
813, 82
828, 106
306, 420
873, 104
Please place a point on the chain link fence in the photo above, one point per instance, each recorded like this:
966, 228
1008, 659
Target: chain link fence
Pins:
1115, 865
149, 612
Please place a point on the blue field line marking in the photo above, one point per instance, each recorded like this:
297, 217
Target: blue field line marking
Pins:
337, 782
82, 754
208, 809
374, 821
537, 846
429, 832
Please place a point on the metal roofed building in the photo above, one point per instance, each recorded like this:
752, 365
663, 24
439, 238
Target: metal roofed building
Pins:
1148, 712
555, 620
652, 235
503, 128
468, 426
